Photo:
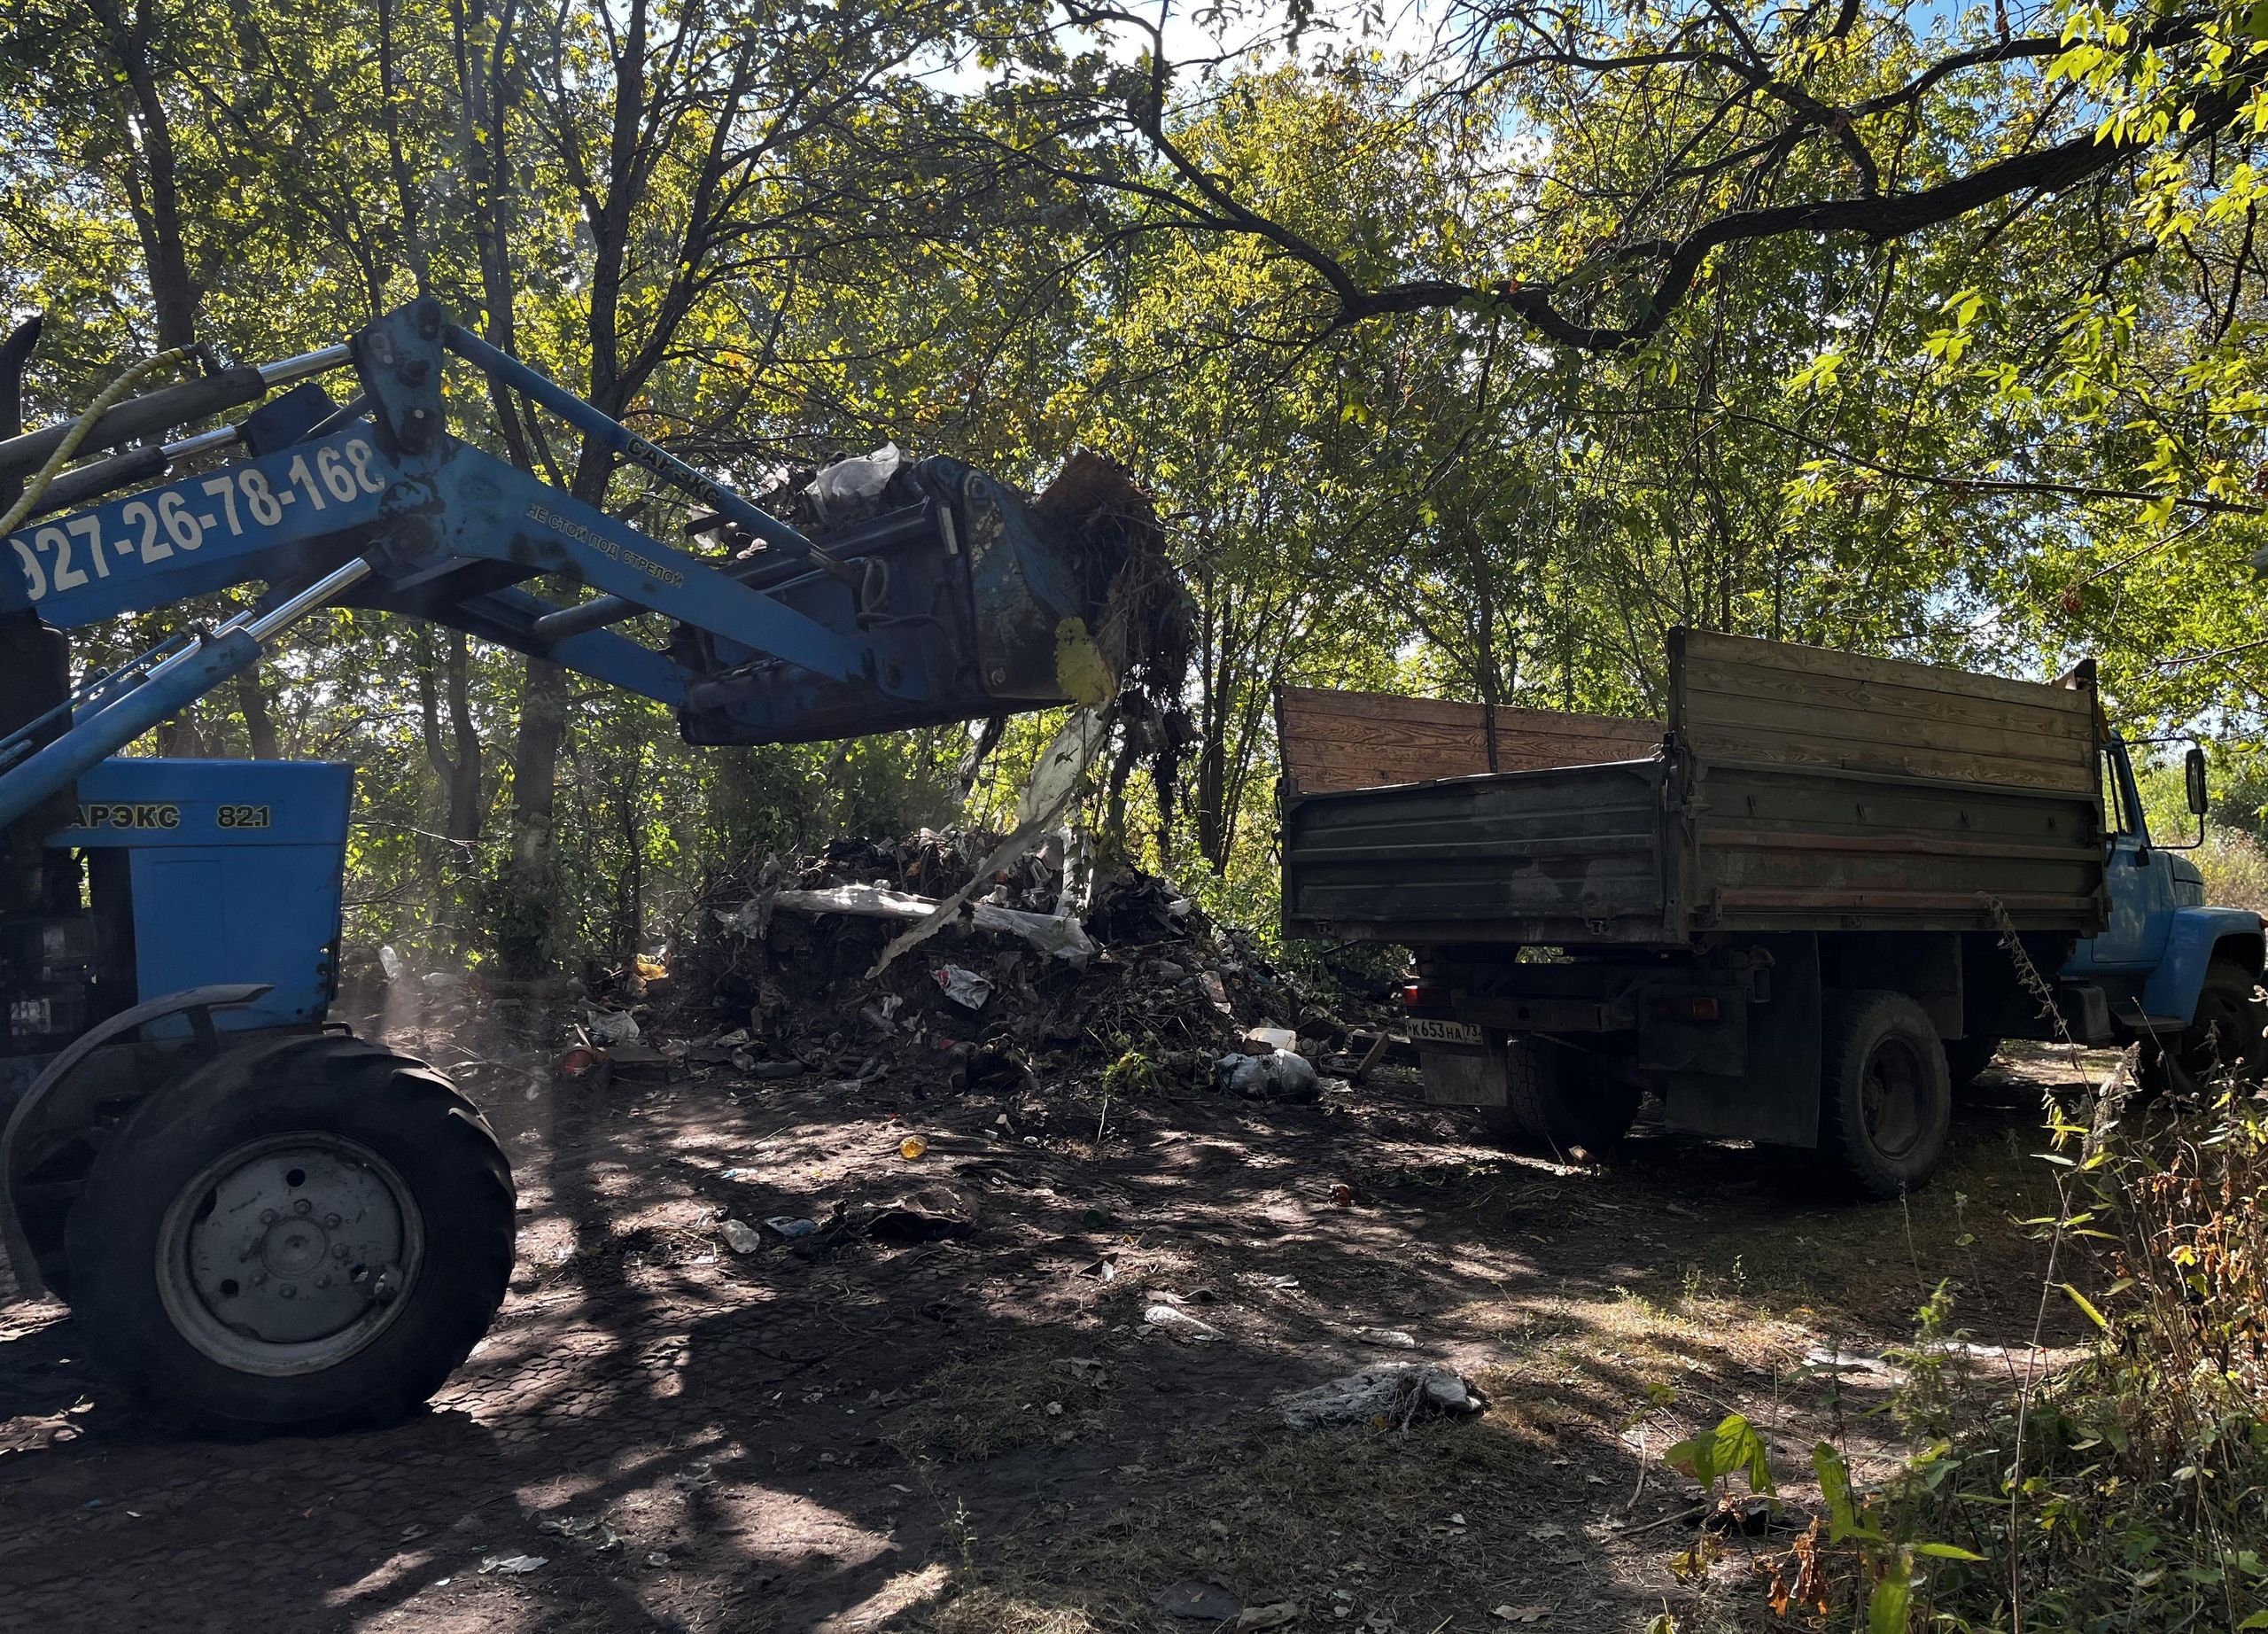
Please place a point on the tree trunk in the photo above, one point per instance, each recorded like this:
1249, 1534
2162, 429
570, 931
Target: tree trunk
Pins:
458, 772
155, 203
528, 892
259, 723
179, 738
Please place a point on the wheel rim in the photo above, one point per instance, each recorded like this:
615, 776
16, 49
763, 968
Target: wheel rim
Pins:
1891, 1097
288, 1254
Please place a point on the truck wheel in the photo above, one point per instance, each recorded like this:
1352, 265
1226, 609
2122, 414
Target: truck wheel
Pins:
309, 1235
1558, 1101
2223, 1038
1966, 1059
1885, 1097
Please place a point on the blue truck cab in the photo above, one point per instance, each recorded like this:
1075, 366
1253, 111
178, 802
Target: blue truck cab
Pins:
2167, 969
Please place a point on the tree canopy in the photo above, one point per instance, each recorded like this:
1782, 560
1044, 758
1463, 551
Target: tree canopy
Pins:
1467, 349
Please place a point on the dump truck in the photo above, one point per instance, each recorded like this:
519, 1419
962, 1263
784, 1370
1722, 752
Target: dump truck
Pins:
1799, 912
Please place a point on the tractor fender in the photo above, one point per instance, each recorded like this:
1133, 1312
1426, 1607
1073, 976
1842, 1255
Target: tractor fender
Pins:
2196, 935
196, 1003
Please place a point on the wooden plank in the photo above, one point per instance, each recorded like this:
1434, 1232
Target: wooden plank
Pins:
1691, 645
1732, 698
1728, 712
2065, 714
1758, 749
1334, 741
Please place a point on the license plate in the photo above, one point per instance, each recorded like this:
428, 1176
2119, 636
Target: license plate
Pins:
1423, 1029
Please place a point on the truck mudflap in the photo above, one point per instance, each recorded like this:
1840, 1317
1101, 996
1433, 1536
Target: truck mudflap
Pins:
2190, 944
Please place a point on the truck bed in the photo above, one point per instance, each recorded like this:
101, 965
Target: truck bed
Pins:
1793, 789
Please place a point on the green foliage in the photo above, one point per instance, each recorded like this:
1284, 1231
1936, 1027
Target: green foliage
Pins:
1133, 1073
1733, 1448
1917, 446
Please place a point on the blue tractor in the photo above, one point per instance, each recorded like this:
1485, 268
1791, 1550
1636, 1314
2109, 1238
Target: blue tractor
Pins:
256, 1217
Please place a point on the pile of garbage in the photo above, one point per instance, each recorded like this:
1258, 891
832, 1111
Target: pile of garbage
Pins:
1049, 965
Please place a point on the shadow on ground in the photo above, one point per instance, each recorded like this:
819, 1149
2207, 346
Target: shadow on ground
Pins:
977, 1432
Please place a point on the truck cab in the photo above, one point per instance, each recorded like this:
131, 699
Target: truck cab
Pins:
2167, 970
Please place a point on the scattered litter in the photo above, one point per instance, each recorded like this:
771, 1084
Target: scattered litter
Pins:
609, 1028
1396, 1394
1097, 1219
1521, 1613
924, 1215
657, 1558
515, 1563
1061, 934
840, 490
1192, 1599
963, 987
791, 1228
1262, 1040
441, 981
740, 1236
1387, 1338
1180, 1324
1278, 1075
1274, 1616
1085, 1369
1104, 1269
1215, 991
390, 963
1548, 1530
1818, 1360
912, 1148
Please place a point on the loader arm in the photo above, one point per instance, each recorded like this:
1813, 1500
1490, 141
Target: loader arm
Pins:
956, 605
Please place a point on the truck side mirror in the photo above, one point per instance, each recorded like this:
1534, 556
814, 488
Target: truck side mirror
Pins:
2193, 767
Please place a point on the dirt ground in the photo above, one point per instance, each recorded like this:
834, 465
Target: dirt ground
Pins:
981, 1432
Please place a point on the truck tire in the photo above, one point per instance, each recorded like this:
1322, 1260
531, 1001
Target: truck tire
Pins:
1558, 1100
1966, 1059
2223, 1038
1885, 1096
305, 1235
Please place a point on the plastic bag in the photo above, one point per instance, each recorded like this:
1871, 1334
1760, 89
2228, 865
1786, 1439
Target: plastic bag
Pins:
1278, 1075
851, 482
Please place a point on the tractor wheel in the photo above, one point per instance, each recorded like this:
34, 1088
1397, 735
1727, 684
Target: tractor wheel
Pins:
1885, 1096
308, 1234
1560, 1101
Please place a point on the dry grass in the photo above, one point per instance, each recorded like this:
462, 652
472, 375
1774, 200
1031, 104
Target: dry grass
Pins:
2236, 869
986, 1406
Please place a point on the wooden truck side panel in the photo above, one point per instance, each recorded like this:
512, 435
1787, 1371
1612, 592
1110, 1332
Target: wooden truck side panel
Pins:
1334, 741
1569, 853
1732, 698
1797, 788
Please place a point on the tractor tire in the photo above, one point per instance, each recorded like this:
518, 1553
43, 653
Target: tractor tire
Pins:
2223, 1039
1559, 1101
1967, 1059
306, 1234
1885, 1095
